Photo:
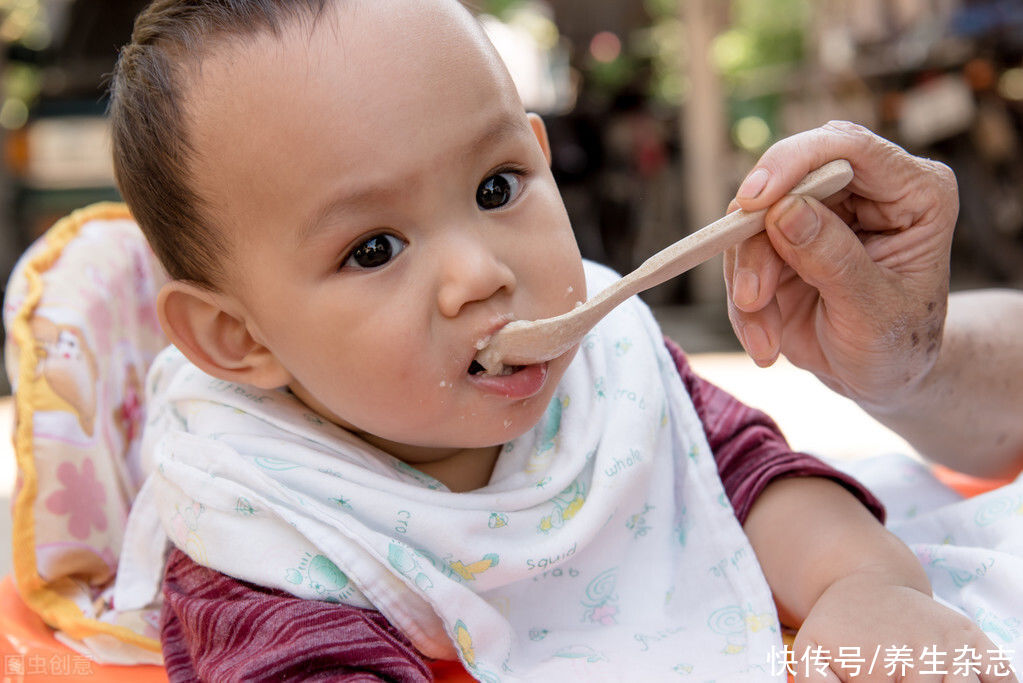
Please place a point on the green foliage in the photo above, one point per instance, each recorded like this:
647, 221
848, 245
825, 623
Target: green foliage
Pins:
764, 45
659, 9
499, 8
610, 77
764, 33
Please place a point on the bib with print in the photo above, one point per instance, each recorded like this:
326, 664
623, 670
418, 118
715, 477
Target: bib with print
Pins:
603, 548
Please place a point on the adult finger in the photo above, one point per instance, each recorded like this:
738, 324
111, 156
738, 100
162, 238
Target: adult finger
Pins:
729, 253
882, 170
759, 332
753, 272
823, 250
752, 309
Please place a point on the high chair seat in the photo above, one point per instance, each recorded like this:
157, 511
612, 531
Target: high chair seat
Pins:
82, 330
30, 652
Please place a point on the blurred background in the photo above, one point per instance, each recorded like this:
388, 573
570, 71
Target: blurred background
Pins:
656, 110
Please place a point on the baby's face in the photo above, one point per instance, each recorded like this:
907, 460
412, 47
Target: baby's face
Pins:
389, 205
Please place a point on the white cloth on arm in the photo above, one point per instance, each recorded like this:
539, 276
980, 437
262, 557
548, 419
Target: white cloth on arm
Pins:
603, 548
971, 549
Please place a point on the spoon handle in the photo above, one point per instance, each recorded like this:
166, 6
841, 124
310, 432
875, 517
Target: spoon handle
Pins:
683, 255
524, 341
729, 230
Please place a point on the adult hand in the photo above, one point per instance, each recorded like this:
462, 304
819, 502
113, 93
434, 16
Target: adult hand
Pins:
853, 289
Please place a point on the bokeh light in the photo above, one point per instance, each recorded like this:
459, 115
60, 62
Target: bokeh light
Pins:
1010, 85
751, 133
605, 47
13, 114
731, 50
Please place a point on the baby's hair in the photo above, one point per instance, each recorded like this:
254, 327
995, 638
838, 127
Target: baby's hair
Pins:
150, 128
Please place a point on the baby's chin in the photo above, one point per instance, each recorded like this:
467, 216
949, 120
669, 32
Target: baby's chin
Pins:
427, 436
473, 431
488, 433
439, 434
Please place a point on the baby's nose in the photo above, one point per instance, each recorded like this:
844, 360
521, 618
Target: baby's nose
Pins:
471, 273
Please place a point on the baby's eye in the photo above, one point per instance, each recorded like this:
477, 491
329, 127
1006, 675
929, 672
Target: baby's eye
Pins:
497, 190
374, 252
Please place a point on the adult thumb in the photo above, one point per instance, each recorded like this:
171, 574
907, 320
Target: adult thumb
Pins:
822, 249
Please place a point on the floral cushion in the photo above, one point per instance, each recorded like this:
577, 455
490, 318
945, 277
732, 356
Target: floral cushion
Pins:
82, 330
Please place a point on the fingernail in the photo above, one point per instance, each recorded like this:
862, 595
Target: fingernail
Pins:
757, 344
798, 222
754, 184
745, 288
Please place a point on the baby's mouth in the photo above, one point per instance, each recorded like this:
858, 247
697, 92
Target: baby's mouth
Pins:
517, 382
476, 369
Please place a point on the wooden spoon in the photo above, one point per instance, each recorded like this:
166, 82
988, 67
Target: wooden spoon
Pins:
524, 342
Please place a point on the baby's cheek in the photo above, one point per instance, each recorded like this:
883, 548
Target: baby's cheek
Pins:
569, 287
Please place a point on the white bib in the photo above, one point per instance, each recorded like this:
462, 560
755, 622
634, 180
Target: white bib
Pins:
603, 548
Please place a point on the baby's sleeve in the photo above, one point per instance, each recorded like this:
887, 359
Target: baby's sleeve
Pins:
216, 628
748, 447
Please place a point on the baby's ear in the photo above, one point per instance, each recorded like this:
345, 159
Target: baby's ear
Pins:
540, 131
211, 329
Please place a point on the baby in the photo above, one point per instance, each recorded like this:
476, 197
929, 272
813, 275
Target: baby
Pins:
349, 198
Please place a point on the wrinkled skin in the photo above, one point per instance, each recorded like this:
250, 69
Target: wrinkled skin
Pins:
854, 289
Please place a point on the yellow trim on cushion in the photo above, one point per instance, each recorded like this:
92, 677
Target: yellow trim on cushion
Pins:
45, 598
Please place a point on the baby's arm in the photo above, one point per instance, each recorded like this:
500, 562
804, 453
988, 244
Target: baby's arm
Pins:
846, 582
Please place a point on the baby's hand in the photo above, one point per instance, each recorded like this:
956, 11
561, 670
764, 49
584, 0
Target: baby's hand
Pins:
865, 627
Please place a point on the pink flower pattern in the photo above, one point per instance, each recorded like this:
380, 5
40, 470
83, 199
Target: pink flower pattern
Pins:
82, 499
130, 413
